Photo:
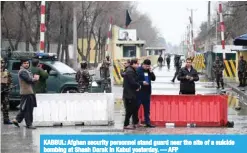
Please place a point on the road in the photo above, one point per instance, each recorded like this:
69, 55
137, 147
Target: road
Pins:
23, 140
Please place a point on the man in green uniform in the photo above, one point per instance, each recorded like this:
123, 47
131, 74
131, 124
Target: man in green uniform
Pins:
218, 68
6, 82
83, 78
39, 86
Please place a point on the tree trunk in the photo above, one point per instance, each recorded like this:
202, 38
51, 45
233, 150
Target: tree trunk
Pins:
47, 33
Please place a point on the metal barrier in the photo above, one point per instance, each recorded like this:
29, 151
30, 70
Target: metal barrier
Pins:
74, 109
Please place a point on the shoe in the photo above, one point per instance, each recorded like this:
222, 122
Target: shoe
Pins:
150, 126
240, 86
218, 87
31, 127
172, 81
129, 127
7, 122
15, 123
138, 125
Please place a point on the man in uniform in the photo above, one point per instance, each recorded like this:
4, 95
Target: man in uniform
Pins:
105, 73
39, 86
218, 68
241, 71
83, 78
6, 82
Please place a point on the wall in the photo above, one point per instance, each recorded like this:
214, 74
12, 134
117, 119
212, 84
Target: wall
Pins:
85, 45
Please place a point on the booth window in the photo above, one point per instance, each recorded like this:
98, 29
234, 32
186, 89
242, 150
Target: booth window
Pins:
150, 52
129, 51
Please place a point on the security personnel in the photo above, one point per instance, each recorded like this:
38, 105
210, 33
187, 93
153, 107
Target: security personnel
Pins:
6, 82
105, 73
241, 71
218, 68
83, 78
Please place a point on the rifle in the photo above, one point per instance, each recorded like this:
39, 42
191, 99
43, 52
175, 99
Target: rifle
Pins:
9, 88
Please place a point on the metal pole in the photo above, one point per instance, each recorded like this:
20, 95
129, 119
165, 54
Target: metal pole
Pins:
208, 28
74, 36
42, 27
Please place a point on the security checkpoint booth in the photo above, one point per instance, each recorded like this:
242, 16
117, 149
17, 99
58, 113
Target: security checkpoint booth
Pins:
124, 45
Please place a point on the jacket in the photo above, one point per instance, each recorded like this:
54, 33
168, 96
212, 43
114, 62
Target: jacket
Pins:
185, 84
242, 66
218, 67
122, 73
26, 81
131, 84
145, 89
40, 86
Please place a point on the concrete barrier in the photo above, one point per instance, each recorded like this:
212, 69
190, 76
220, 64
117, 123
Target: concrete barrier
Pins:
74, 109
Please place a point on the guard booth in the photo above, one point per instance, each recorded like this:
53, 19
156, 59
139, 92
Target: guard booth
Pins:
124, 45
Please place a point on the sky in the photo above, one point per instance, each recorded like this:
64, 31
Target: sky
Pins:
172, 17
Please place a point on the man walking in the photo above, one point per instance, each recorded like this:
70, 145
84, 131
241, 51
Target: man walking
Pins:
178, 65
187, 77
28, 99
218, 68
145, 76
6, 81
83, 78
39, 86
241, 71
131, 87
160, 61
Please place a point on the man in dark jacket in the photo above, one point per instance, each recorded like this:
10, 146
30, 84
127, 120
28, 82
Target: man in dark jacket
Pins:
39, 86
160, 61
145, 75
178, 65
168, 60
187, 77
123, 72
241, 71
131, 87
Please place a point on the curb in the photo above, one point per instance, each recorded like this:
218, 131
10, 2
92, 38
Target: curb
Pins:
237, 90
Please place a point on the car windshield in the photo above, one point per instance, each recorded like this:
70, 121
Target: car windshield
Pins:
63, 68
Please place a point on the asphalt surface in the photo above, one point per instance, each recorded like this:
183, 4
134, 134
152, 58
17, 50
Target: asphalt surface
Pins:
22, 140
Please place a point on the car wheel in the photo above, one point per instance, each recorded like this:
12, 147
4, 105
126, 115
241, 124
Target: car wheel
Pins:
70, 90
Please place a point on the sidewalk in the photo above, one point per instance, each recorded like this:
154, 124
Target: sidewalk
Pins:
242, 91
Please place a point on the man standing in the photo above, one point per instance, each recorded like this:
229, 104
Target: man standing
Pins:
160, 61
39, 86
241, 71
168, 60
83, 78
105, 74
123, 72
145, 76
131, 87
28, 99
6, 81
218, 68
187, 77
178, 65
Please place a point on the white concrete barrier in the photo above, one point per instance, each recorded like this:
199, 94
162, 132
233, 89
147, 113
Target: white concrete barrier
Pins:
73, 109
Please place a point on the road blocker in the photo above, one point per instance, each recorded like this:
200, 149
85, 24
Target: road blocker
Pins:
188, 110
74, 109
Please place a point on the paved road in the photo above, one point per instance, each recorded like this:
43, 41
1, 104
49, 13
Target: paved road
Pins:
22, 140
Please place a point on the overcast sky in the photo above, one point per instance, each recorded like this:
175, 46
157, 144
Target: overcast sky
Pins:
172, 17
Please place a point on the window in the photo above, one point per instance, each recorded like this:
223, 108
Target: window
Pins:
150, 52
16, 66
156, 52
63, 68
129, 51
46, 67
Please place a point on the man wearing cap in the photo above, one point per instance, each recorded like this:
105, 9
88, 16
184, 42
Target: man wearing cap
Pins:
6, 81
218, 68
145, 76
241, 71
83, 78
